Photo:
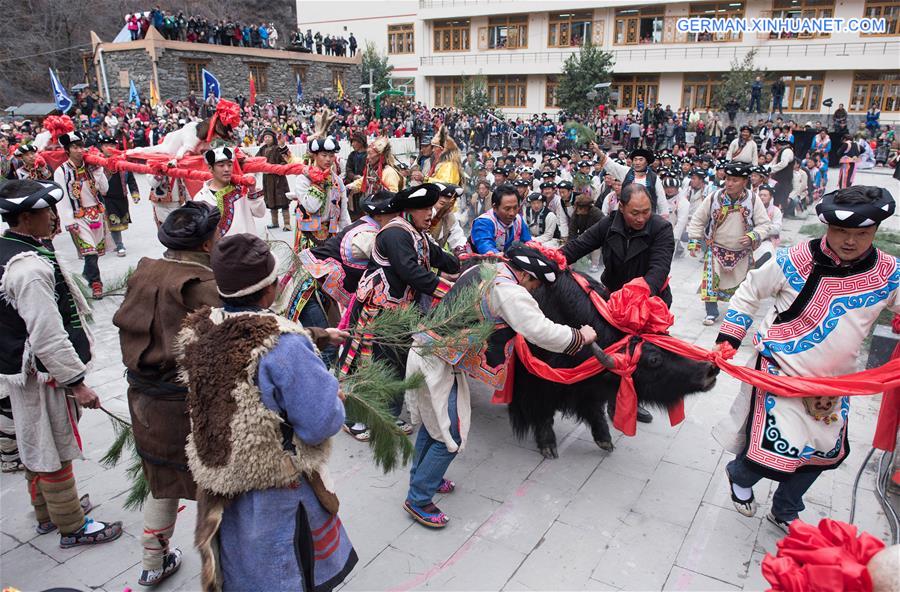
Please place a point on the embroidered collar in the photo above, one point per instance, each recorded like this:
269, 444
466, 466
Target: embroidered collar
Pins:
833, 257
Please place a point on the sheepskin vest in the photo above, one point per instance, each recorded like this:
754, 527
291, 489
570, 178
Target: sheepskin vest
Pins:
237, 444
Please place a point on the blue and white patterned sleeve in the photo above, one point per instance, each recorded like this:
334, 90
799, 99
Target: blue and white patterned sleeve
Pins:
761, 284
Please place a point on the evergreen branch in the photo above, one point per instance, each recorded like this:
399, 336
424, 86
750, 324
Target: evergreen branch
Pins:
140, 487
369, 393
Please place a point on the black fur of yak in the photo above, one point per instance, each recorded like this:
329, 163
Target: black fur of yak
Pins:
661, 378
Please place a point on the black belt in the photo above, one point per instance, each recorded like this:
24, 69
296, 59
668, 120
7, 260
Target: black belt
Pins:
161, 389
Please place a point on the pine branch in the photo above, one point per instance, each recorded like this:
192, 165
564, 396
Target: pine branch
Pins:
140, 488
369, 394
456, 324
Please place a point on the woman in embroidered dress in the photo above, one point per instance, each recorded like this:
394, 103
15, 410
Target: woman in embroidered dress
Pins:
321, 197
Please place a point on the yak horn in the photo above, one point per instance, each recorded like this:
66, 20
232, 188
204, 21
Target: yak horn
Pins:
605, 359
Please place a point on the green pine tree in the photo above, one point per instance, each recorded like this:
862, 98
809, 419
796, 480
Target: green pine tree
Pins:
581, 72
473, 98
378, 64
737, 81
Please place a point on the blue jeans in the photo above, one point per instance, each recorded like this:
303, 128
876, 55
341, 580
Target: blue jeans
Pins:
432, 459
312, 315
787, 503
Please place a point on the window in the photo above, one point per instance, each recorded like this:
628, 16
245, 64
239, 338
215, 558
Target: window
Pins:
400, 39
880, 88
716, 10
552, 84
299, 72
507, 32
195, 75
451, 35
569, 29
698, 90
337, 75
639, 25
446, 91
260, 74
507, 91
796, 9
632, 88
802, 92
889, 10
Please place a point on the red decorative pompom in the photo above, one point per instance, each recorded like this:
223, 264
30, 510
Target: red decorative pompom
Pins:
554, 255
58, 125
229, 113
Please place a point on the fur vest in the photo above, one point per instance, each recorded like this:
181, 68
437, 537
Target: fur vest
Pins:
237, 444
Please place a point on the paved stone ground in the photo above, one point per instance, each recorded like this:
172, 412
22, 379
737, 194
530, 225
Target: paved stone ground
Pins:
653, 514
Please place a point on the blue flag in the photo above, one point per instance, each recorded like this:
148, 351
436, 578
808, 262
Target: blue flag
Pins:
299, 89
210, 85
60, 96
133, 96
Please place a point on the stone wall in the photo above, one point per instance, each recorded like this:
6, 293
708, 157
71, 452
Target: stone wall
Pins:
232, 70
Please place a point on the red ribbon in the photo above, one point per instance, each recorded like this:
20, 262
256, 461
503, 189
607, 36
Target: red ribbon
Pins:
826, 558
634, 312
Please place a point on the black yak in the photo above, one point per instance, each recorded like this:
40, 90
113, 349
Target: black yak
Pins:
661, 378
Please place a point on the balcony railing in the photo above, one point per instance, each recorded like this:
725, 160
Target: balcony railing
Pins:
426, 4
694, 52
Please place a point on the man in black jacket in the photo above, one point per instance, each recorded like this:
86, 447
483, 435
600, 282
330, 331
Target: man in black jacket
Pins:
634, 243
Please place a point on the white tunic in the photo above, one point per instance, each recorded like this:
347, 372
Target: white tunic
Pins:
429, 404
245, 209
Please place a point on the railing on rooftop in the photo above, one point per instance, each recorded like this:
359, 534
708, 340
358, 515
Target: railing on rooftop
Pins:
693, 52
425, 4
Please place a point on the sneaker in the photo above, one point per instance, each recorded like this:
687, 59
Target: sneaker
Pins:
108, 532
48, 526
171, 563
778, 522
286, 228
121, 252
710, 320
744, 507
361, 434
97, 290
406, 428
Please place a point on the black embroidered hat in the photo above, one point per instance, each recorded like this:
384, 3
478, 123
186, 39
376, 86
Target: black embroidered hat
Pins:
856, 207
26, 195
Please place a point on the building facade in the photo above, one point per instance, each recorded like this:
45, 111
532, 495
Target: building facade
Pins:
520, 46
176, 67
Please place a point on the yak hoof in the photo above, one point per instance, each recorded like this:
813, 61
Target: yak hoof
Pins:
549, 452
605, 445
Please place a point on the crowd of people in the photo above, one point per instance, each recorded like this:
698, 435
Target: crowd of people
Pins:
177, 26
377, 231
197, 29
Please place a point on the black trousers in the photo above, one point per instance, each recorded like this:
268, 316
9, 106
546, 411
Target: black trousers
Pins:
91, 271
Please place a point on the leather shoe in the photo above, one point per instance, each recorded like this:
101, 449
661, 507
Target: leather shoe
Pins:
643, 415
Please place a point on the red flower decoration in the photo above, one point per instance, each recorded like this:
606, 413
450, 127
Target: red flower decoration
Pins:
554, 255
317, 175
228, 113
58, 125
634, 310
827, 558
